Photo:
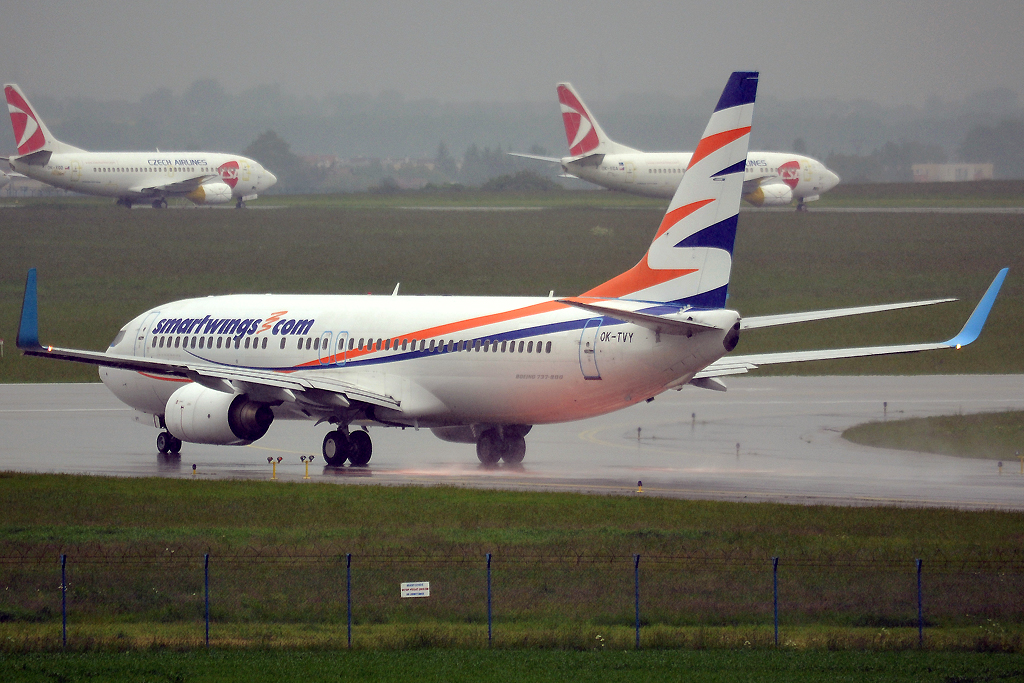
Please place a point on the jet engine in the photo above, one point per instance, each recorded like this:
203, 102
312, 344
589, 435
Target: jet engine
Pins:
776, 194
197, 414
210, 193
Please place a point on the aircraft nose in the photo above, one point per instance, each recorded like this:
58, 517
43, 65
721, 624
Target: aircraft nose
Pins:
269, 178
828, 179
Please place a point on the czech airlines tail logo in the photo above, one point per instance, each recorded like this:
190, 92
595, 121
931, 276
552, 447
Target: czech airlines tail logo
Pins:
790, 173
27, 131
229, 173
579, 129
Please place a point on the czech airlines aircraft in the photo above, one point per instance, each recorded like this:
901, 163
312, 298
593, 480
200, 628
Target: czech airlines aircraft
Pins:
769, 179
483, 370
4, 179
130, 177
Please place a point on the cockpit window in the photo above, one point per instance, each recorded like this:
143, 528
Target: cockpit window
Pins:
118, 338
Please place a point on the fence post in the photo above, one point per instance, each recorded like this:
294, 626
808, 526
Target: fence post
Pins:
775, 596
636, 589
64, 600
489, 632
920, 608
206, 582
348, 592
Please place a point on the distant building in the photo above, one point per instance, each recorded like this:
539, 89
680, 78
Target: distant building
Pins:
949, 173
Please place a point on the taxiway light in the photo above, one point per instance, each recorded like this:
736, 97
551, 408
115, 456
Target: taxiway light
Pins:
279, 458
270, 459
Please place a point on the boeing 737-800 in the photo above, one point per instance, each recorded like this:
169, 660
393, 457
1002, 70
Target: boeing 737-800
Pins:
483, 370
769, 179
130, 177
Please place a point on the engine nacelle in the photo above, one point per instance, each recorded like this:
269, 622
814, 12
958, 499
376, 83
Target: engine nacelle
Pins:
776, 194
210, 193
200, 415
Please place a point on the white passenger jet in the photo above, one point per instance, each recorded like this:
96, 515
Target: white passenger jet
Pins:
130, 177
4, 179
769, 179
483, 370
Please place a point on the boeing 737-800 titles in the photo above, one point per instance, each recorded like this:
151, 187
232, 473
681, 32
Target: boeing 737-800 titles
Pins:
769, 179
483, 370
130, 177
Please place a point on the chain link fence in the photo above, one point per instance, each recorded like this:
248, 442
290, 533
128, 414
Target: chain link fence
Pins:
336, 599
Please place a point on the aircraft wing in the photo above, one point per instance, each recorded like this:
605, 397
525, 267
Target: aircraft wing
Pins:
738, 364
180, 187
304, 386
755, 322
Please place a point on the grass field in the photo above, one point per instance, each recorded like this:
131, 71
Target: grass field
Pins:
995, 436
708, 666
100, 266
562, 569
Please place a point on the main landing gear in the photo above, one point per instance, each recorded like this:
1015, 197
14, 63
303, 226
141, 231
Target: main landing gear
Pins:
168, 443
159, 203
239, 204
340, 446
494, 445
126, 203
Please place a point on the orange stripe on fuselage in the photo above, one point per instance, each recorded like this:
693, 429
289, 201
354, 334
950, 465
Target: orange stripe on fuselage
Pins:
450, 328
713, 143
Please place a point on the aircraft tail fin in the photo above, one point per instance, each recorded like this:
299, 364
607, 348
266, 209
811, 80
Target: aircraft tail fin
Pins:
690, 259
582, 130
30, 133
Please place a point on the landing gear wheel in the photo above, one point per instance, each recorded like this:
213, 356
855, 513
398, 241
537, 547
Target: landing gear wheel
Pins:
515, 450
159, 203
360, 448
489, 447
240, 204
801, 207
175, 445
336, 448
164, 441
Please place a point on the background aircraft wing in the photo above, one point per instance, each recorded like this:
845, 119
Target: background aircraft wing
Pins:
180, 187
738, 364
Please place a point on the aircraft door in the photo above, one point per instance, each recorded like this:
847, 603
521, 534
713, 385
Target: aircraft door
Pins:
76, 170
141, 347
324, 351
630, 170
808, 171
588, 349
341, 352
243, 171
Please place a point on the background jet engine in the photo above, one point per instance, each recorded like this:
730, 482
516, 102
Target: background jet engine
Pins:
210, 193
775, 194
200, 415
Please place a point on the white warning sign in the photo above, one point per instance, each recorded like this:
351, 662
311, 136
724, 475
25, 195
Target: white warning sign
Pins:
416, 589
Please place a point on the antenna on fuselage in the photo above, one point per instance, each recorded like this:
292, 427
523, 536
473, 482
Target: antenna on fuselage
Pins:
397, 285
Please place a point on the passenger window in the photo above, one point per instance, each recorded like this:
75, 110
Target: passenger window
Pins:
193, 342
503, 345
247, 342
547, 348
154, 342
521, 346
161, 342
264, 345
529, 347
177, 340
283, 340
404, 343
220, 340
201, 340
387, 345
316, 344
238, 341
433, 342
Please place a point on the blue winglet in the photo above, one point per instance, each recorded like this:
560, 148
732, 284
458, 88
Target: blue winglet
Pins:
972, 328
28, 330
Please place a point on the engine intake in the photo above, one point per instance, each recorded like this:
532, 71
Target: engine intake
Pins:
774, 194
197, 414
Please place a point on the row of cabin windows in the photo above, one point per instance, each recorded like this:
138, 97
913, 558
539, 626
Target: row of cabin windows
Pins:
442, 346
664, 170
200, 342
154, 169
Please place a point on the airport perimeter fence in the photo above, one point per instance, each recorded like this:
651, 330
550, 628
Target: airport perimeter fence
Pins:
511, 599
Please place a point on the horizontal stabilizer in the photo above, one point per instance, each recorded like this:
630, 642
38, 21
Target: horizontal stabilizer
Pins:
676, 321
754, 322
552, 160
733, 365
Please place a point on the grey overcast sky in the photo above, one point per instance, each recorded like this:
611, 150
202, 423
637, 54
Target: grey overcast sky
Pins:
889, 51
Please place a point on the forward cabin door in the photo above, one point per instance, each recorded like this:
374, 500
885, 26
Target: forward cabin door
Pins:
140, 336
588, 349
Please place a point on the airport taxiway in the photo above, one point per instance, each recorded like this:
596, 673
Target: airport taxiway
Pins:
766, 439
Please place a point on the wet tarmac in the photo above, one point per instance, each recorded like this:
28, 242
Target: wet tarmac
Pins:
766, 439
